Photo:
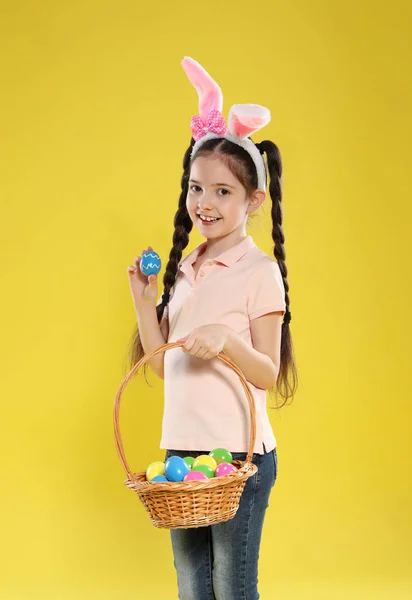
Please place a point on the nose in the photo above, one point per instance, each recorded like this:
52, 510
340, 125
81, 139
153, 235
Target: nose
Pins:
205, 202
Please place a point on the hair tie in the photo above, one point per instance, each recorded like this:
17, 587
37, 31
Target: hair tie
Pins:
287, 318
259, 147
165, 298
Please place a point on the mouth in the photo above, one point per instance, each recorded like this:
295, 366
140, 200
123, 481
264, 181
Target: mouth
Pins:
208, 220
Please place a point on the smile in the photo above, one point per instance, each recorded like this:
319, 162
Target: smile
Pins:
209, 219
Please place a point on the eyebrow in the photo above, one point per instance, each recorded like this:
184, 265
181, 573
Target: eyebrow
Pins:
214, 184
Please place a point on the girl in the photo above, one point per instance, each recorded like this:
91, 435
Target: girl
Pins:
225, 296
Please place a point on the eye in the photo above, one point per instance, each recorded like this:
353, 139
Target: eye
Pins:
192, 188
224, 190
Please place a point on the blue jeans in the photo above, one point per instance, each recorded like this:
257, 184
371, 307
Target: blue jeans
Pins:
220, 562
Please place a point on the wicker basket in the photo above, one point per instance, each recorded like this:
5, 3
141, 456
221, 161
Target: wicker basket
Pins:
188, 504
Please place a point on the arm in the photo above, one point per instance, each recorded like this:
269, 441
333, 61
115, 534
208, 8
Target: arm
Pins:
152, 336
260, 363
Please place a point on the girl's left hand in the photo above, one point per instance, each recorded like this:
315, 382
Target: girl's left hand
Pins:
206, 341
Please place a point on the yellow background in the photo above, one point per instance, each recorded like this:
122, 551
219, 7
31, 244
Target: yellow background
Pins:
95, 112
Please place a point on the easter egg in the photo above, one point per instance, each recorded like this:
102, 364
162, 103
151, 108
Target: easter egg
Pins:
205, 459
225, 469
204, 469
221, 455
150, 263
195, 476
176, 468
189, 461
159, 478
155, 468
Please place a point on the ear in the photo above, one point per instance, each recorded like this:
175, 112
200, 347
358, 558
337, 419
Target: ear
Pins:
210, 94
256, 199
245, 119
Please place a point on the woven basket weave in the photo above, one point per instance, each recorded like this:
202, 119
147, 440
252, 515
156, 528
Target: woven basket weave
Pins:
188, 504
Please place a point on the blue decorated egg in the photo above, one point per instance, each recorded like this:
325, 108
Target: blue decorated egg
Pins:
176, 468
150, 263
159, 478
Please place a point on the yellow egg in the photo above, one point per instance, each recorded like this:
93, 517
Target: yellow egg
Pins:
155, 468
205, 459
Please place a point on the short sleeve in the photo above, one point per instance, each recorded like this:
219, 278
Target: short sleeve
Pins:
266, 290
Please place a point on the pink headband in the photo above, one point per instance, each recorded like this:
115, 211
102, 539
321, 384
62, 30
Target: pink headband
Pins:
244, 119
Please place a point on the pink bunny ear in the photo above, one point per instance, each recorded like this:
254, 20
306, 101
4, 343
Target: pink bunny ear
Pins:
210, 94
245, 119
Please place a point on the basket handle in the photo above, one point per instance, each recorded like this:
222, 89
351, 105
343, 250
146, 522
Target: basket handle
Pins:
221, 356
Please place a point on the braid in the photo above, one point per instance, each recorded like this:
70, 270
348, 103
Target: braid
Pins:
275, 190
183, 226
274, 163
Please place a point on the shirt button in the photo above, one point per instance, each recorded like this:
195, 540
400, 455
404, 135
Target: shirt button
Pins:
201, 273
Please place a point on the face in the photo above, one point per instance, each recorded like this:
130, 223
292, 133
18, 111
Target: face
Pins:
215, 192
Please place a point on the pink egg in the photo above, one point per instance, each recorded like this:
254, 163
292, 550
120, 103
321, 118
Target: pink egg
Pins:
195, 475
224, 469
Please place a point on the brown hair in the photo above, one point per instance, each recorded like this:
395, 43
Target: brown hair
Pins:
240, 163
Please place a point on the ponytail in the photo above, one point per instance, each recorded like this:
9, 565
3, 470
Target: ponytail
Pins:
287, 379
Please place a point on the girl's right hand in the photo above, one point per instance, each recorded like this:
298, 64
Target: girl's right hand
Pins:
143, 288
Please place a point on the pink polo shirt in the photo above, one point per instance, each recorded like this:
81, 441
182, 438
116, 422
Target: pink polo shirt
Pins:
205, 405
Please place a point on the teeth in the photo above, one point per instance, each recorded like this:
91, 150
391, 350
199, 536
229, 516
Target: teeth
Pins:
208, 218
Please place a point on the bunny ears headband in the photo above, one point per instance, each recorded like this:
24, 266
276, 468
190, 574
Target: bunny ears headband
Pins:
244, 119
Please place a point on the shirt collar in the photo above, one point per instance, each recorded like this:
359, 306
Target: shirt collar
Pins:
228, 257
